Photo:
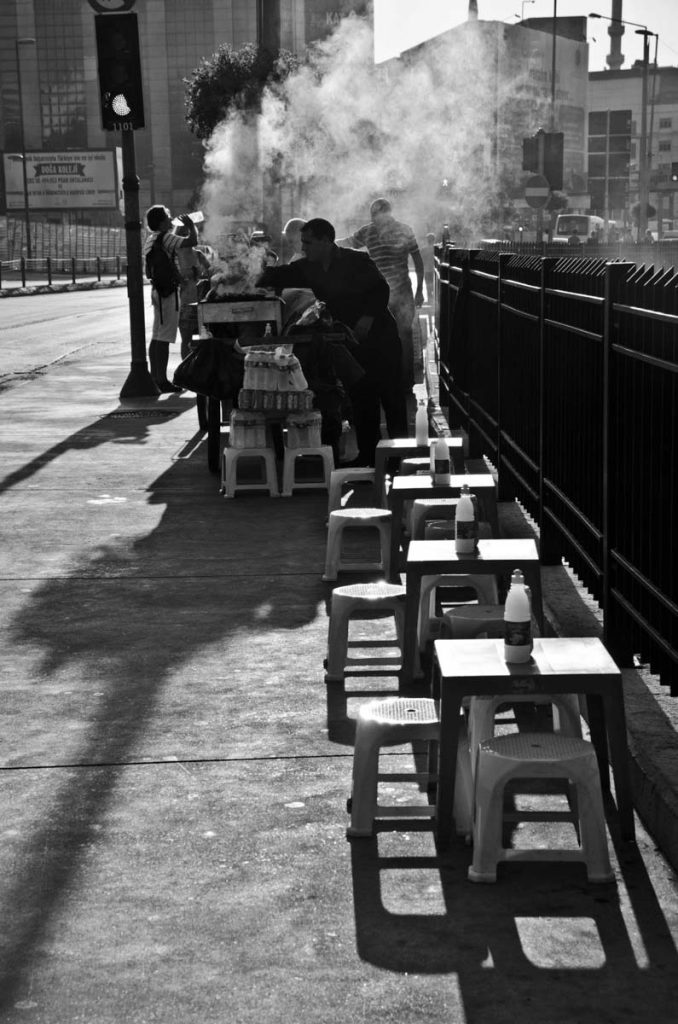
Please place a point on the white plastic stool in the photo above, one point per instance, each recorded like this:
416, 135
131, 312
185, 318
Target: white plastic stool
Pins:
348, 475
290, 483
485, 587
531, 756
470, 621
390, 722
430, 508
268, 481
344, 518
358, 601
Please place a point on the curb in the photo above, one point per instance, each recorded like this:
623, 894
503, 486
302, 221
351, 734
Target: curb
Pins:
53, 289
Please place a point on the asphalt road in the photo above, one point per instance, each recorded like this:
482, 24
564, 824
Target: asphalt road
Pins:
40, 330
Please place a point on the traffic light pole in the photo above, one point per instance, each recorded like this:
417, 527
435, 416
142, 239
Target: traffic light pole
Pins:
139, 382
540, 171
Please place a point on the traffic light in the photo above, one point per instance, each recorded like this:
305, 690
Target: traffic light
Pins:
543, 154
553, 158
531, 154
674, 172
121, 94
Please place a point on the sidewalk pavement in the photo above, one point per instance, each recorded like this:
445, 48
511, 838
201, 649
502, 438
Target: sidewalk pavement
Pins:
175, 771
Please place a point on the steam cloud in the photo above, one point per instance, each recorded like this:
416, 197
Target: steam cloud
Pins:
345, 131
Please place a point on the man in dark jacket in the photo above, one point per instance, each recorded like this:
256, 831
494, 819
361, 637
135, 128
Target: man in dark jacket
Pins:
356, 293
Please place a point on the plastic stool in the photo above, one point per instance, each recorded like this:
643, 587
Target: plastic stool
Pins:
543, 756
229, 471
342, 519
382, 723
290, 483
360, 600
430, 508
484, 585
470, 621
417, 465
340, 477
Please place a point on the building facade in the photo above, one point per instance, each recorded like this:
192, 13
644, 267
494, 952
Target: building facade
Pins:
49, 96
614, 95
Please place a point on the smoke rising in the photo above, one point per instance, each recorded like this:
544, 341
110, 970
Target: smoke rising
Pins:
342, 131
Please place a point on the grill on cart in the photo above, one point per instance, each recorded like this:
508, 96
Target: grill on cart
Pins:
244, 317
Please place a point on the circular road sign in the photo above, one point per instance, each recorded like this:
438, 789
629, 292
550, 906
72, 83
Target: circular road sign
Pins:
111, 6
537, 191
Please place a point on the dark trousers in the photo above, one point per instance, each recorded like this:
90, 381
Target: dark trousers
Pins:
368, 397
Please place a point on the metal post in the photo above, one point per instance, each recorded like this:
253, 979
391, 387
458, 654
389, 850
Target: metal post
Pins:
643, 189
139, 382
29, 248
549, 549
613, 637
553, 66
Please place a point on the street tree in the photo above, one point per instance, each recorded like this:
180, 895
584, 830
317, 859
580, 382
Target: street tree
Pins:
233, 80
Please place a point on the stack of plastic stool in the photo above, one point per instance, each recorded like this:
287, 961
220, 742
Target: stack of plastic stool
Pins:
356, 601
537, 756
345, 518
268, 481
349, 474
382, 723
290, 483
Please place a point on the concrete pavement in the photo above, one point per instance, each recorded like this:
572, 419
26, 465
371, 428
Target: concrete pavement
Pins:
175, 771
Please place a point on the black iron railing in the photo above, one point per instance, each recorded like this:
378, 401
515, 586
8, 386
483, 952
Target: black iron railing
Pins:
563, 370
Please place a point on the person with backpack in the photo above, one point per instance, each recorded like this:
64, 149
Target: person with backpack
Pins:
160, 252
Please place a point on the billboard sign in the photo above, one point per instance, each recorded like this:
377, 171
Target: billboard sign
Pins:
69, 180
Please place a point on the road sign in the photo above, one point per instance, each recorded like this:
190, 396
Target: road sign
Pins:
111, 6
537, 191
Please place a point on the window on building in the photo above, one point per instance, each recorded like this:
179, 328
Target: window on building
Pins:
665, 147
665, 122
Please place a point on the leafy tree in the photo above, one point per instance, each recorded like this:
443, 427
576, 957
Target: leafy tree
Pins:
232, 80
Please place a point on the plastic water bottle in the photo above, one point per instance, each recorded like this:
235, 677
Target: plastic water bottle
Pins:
465, 523
441, 463
517, 621
421, 424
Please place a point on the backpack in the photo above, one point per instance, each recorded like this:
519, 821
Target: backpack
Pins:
161, 269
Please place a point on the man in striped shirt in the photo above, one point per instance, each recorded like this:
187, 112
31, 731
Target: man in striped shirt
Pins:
390, 243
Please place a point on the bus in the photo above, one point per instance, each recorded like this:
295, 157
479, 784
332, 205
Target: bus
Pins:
582, 224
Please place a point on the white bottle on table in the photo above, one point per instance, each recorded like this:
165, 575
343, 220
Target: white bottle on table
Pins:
421, 424
441, 463
517, 621
465, 523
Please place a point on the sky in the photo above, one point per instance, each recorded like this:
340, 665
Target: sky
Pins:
402, 23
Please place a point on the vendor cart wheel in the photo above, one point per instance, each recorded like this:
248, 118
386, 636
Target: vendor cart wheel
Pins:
213, 434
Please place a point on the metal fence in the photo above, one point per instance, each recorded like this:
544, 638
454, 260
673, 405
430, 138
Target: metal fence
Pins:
564, 372
57, 271
60, 241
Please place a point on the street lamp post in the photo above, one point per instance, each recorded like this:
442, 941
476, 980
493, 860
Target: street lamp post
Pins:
643, 154
18, 43
643, 169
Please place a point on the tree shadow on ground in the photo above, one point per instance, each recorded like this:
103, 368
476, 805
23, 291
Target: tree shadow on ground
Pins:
125, 619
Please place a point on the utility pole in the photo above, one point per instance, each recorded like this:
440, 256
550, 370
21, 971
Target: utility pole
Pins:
24, 169
643, 169
139, 381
